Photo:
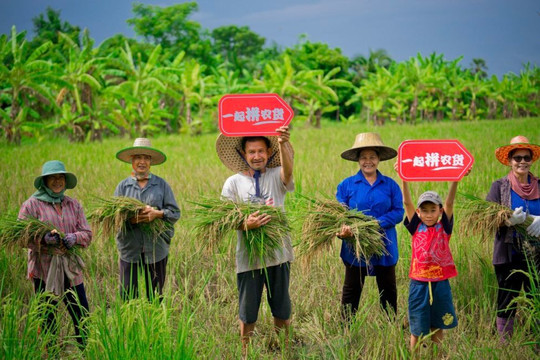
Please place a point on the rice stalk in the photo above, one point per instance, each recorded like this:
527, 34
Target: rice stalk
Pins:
324, 218
108, 216
23, 232
214, 219
483, 218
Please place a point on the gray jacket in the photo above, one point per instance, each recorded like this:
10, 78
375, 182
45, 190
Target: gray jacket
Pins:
133, 242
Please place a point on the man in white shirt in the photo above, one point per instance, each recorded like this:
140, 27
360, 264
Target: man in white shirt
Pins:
264, 175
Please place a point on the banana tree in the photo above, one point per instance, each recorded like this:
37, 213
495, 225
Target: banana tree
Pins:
320, 88
375, 93
23, 80
81, 72
144, 84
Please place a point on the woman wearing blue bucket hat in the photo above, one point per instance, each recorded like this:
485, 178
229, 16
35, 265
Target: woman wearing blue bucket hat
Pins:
53, 266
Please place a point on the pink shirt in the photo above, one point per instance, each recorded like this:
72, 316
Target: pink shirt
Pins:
70, 219
431, 256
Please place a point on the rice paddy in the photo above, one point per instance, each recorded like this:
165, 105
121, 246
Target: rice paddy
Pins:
198, 315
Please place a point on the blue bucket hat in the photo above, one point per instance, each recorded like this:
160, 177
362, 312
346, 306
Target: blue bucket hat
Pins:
55, 167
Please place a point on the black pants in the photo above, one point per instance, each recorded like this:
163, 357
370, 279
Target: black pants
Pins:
510, 285
77, 306
154, 278
354, 283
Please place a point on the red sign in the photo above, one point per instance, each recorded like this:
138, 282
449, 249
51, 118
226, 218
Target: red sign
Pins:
433, 160
253, 114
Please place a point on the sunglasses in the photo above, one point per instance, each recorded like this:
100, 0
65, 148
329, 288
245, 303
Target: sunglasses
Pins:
518, 158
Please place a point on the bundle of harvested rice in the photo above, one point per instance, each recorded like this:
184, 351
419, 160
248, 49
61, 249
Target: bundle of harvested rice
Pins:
325, 218
215, 218
483, 218
22, 232
109, 215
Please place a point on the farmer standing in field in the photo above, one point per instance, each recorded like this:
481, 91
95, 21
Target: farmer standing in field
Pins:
519, 190
264, 175
139, 251
378, 196
52, 264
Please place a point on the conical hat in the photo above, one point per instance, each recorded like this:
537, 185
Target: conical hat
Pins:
517, 142
372, 141
142, 146
229, 150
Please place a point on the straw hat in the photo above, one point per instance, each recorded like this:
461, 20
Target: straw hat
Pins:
55, 167
372, 141
229, 149
141, 146
517, 142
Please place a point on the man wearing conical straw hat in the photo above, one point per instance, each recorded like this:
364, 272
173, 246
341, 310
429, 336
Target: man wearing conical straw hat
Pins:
264, 175
139, 250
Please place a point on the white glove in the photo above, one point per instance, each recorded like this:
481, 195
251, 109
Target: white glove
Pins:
518, 217
534, 228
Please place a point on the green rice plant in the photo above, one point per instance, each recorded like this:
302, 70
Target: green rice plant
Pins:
139, 329
108, 216
21, 324
215, 218
324, 218
22, 232
485, 217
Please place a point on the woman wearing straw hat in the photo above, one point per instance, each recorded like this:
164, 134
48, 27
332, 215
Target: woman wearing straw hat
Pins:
375, 195
519, 190
139, 250
52, 264
264, 175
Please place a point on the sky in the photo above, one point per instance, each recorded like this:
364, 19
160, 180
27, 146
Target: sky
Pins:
505, 33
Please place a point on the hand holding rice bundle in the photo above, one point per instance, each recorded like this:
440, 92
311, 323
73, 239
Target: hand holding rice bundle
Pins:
109, 216
215, 219
486, 217
23, 232
326, 218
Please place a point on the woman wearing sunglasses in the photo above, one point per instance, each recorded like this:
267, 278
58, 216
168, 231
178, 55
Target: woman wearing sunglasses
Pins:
518, 190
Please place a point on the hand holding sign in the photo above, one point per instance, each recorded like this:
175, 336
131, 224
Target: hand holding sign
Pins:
433, 160
253, 114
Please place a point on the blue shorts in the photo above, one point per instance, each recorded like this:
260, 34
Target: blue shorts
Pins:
250, 289
439, 315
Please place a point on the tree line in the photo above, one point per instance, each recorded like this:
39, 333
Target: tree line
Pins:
171, 78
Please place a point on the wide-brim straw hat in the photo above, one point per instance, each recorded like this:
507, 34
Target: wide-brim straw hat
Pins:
369, 140
517, 142
229, 150
142, 146
54, 167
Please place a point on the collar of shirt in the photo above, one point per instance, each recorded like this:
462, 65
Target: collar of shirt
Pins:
151, 181
359, 177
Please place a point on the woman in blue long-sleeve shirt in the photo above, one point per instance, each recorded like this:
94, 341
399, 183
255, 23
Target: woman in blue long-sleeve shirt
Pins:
378, 196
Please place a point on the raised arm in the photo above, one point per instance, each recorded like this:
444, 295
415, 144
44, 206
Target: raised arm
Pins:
449, 202
285, 154
407, 199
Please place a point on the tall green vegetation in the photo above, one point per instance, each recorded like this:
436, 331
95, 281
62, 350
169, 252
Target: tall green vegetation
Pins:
61, 84
198, 315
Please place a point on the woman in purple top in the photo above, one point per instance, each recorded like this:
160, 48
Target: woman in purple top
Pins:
378, 196
53, 266
519, 190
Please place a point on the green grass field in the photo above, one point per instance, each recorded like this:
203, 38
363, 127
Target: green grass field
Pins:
198, 318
